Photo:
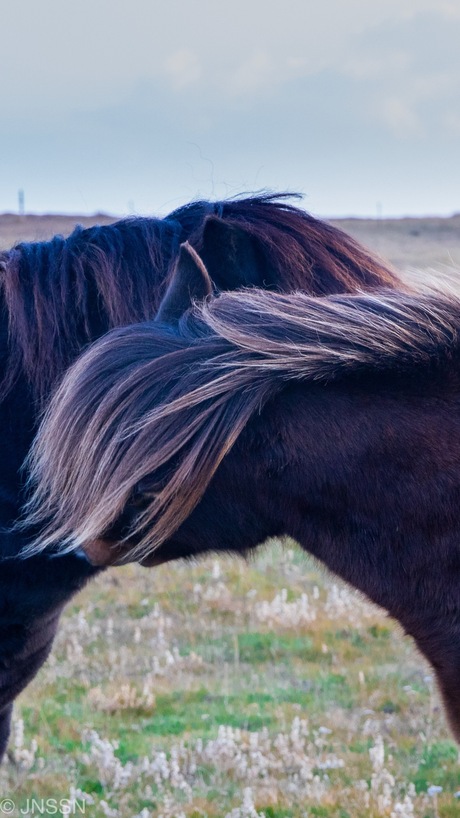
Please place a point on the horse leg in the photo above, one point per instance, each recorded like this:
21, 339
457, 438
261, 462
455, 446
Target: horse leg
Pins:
449, 684
446, 663
5, 725
33, 593
20, 662
439, 641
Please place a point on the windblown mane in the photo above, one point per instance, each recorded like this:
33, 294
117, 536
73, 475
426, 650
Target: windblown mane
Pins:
147, 403
61, 294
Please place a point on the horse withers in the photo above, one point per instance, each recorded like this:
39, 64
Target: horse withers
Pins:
335, 421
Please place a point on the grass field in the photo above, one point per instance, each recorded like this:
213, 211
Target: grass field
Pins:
235, 689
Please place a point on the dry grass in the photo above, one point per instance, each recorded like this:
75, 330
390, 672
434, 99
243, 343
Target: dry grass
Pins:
424, 243
14, 228
209, 690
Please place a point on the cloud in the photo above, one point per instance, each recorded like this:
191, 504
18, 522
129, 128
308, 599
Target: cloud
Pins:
252, 75
399, 117
183, 69
365, 66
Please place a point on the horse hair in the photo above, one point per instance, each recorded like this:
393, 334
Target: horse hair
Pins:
58, 293
146, 402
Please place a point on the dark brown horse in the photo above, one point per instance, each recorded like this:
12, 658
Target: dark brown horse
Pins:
333, 420
58, 296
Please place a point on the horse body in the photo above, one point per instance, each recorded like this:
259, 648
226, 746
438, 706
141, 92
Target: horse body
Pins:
57, 297
335, 421
366, 478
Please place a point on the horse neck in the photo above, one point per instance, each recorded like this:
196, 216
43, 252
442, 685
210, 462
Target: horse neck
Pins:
352, 471
360, 464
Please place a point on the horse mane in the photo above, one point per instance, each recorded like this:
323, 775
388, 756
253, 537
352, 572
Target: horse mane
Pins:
302, 252
149, 404
60, 294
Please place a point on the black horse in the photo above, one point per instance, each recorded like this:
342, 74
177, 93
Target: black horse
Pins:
58, 296
334, 420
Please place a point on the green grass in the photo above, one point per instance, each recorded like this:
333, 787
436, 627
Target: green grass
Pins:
185, 661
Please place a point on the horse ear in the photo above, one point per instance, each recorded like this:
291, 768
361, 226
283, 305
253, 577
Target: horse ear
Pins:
233, 257
189, 282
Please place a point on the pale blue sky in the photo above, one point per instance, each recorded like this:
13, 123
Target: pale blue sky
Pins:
139, 105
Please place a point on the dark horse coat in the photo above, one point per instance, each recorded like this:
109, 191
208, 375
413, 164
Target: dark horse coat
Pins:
58, 296
333, 420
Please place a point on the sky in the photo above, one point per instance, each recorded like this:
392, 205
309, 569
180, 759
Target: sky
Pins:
137, 106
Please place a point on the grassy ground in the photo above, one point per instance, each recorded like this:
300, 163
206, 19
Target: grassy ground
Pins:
417, 242
210, 691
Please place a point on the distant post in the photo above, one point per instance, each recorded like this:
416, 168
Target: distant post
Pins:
21, 209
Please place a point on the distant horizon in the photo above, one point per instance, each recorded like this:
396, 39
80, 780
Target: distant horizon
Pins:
152, 214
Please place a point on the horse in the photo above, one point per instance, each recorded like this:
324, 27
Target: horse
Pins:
332, 420
58, 296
